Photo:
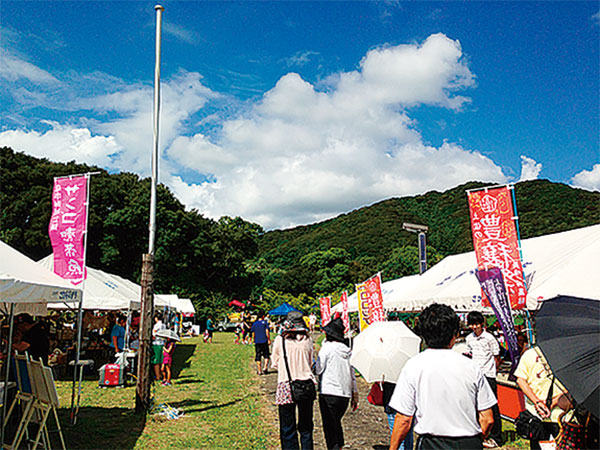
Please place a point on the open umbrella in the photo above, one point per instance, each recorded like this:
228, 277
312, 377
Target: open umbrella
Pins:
381, 351
568, 332
168, 334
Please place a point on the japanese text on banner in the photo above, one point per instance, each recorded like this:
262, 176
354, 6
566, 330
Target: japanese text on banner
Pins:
370, 302
325, 303
495, 240
345, 315
67, 227
363, 305
376, 313
493, 285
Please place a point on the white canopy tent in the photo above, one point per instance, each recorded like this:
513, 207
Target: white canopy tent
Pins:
23, 281
185, 306
560, 263
102, 291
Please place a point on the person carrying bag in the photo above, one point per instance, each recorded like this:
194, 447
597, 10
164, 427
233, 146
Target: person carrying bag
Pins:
293, 357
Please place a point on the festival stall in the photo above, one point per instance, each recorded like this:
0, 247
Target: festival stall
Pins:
22, 281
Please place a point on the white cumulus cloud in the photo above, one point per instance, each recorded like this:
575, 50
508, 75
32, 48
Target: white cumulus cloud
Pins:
530, 169
299, 154
588, 179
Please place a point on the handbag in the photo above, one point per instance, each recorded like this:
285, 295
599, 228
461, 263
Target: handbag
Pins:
572, 435
531, 427
302, 390
375, 396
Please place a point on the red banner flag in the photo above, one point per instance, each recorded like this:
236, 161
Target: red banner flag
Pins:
370, 302
495, 240
376, 313
325, 303
67, 227
345, 315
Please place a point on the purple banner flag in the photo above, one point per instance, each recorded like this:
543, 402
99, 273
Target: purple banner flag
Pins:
492, 283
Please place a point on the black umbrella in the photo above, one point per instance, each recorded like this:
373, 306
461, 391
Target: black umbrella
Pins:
568, 332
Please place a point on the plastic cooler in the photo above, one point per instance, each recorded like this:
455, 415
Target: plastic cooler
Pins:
111, 375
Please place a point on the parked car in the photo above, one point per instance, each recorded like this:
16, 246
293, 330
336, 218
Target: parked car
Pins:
227, 325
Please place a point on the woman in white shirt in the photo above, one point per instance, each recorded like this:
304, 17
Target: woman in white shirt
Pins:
337, 384
299, 352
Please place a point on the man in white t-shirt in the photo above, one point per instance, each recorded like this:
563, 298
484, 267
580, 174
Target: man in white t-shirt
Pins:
444, 392
485, 352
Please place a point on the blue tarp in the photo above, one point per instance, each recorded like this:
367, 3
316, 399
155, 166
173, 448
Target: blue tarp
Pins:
282, 310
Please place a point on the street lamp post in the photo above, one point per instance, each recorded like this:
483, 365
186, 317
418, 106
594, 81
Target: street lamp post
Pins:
422, 231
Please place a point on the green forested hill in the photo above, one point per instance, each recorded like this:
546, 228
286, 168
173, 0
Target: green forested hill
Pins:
215, 261
373, 238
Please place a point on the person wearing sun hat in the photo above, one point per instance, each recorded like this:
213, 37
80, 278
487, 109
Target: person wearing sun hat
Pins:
300, 355
337, 383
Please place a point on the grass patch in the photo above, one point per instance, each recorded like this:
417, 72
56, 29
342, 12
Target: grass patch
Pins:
212, 384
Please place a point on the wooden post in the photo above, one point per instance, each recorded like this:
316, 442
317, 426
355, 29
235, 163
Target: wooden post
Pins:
144, 375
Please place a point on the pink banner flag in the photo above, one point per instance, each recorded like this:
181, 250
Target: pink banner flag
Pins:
495, 238
345, 315
376, 313
325, 303
67, 227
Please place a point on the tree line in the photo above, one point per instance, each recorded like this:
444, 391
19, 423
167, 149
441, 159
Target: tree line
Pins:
215, 261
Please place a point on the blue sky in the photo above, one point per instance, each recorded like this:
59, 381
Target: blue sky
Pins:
287, 113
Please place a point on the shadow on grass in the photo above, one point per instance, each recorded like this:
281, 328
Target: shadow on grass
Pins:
102, 428
189, 381
181, 358
211, 405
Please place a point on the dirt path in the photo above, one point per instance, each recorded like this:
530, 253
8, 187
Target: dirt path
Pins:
365, 428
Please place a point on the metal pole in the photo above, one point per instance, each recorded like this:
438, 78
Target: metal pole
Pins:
142, 398
159, 9
7, 371
422, 252
75, 408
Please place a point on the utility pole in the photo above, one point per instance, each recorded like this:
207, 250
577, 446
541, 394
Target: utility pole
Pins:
142, 390
421, 230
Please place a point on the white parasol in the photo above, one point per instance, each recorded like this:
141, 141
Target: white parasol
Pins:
168, 334
381, 351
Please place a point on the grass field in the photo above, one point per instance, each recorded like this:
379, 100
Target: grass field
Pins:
213, 385
216, 387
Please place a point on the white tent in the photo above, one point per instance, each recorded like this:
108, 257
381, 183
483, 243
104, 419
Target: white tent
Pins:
24, 281
102, 291
185, 306
560, 263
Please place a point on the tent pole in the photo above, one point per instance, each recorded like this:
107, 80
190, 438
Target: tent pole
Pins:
7, 370
76, 364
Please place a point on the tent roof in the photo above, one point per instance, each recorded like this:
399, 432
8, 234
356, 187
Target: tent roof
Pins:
102, 290
282, 309
23, 281
560, 263
185, 306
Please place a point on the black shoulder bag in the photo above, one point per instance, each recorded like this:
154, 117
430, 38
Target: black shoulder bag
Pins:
529, 426
302, 390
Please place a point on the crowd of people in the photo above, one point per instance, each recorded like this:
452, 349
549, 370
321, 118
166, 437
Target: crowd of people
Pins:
443, 398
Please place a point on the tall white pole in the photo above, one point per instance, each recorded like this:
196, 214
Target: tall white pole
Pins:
151, 242
142, 399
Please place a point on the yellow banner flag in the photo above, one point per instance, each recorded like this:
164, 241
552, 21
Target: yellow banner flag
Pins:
363, 305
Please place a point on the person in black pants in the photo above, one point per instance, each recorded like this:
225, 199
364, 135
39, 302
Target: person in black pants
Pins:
337, 383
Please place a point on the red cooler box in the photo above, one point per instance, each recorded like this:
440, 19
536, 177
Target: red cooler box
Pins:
111, 375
